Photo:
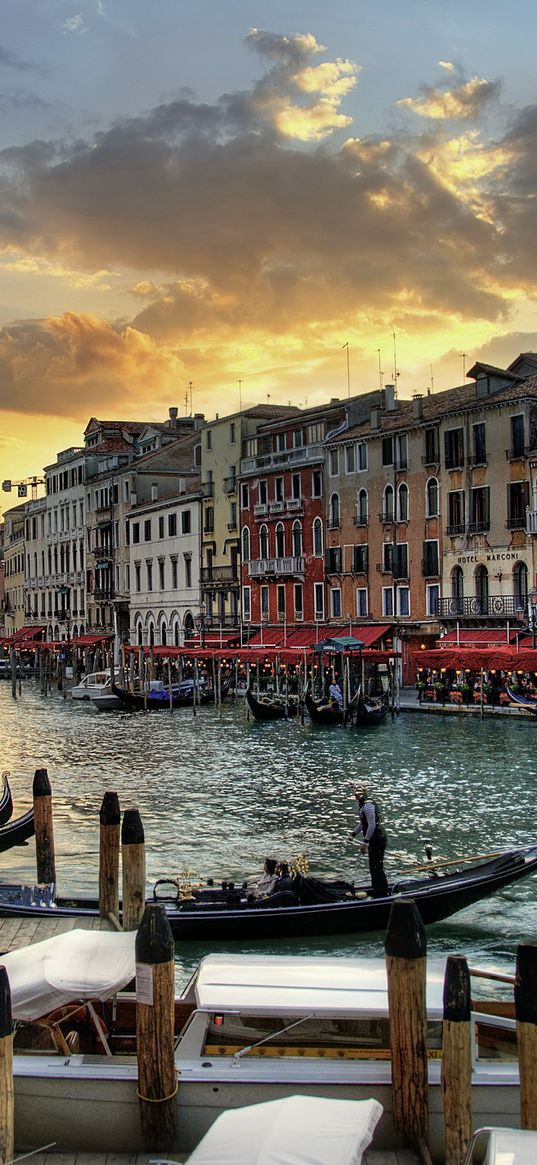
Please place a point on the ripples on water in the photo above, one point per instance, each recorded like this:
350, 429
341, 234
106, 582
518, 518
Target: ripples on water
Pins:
218, 792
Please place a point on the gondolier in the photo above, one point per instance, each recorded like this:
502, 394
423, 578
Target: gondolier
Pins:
373, 840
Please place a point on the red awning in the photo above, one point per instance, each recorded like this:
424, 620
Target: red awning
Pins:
478, 636
473, 659
370, 635
23, 633
92, 640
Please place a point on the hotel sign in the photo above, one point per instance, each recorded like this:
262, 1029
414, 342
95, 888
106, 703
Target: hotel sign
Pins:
490, 556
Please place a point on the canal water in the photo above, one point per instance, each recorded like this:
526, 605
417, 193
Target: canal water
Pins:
218, 792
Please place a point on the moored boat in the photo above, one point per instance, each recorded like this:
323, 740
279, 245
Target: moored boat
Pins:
312, 907
325, 712
17, 831
523, 700
272, 707
370, 710
250, 1029
6, 800
92, 684
160, 697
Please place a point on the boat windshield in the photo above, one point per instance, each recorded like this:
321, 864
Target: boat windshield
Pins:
314, 1036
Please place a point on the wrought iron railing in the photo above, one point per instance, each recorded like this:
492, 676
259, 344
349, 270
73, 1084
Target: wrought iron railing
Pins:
479, 607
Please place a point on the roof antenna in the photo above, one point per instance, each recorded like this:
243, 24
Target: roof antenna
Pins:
463, 358
381, 374
395, 369
432, 381
240, 395
190, 390
346, 345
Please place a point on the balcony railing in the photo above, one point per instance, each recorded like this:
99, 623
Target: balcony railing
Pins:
387, 517
479, 527
333, 524
455, 530
284, 566
207, 489
531, 521
516, 523
230, 485
519, 453
295, 505
261, 510
361, 520
493, 606
455, 462
219, 576
475, 459
276, 507
103, 515
291, 457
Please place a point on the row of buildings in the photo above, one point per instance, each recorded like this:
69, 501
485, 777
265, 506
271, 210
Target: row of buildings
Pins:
414, 515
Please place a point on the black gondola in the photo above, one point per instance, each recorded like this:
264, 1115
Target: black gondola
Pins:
182, 696
17, 831
272, 707
370, 710
6, 800
313, 907
523, 700
324, 712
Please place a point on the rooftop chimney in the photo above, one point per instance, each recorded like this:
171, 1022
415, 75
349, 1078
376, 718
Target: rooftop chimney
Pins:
154, 492
173, 417
417, 406
389, 397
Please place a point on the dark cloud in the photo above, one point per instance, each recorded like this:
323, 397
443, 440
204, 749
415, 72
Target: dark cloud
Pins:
9, 60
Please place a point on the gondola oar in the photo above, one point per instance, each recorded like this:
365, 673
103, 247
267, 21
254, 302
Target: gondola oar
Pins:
457, 861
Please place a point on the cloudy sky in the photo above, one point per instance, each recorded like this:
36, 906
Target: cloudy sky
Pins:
222, 195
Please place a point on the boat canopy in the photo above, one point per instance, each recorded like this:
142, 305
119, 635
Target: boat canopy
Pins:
300, 1130
289, 985
79, 965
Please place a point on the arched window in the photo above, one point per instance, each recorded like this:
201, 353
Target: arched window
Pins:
362, 508
482, 589
431, 498
280, 541
263, 542
520, 585
457, 590
176, 634
246, 544
402, 502
139, 633
297, 539
188, 625
151, 634
318, 538
334, 511
163, 633
387, 504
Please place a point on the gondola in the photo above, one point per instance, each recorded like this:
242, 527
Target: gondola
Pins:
323, 711
17, 831
6, 800
272, 707
312, 907
370, 710
523, 700
182, 696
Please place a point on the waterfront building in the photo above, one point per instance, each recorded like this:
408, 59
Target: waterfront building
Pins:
222, 442
14, 567
283, 515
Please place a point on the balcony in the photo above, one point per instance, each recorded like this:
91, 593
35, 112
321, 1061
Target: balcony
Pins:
261, 510
207, 489
387, 517
276, 507
217, 576
103, 515
333, 524
516, 523
103, 595
232, 526
276, 566
295, 505
519, 453
291, 457
455, 462
431, 459
230, 485
491, 607
361, 520
531, 521
479, 527
476, 459
455, 530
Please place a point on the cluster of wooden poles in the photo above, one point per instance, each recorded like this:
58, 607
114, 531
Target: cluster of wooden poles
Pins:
406, 957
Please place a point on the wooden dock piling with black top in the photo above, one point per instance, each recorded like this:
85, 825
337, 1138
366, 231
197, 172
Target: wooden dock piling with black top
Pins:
526, 1027
155, 1014
44, 827
406, 951
7, 1110
110, 821
133, 864
457, 1059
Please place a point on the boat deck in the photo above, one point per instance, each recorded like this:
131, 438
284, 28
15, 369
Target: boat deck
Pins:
21, 932
372, 1157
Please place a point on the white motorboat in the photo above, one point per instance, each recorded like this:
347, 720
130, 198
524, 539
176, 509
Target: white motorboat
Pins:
249, 1029
503, 1147
92, 684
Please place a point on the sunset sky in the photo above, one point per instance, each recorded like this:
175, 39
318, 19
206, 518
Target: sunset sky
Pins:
214, 192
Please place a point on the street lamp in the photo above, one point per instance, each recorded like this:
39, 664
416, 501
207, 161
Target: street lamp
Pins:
200, 623
532, 615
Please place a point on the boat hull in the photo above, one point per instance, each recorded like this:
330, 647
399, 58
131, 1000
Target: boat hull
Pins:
270, 710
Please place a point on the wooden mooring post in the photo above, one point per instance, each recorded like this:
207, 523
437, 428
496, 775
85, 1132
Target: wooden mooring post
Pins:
110, 820
526, 1028
406, 951
44, 827
155, 1012
457, 1060
7, 1117
133, 864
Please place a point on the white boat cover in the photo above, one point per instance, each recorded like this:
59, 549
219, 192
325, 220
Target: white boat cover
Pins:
299, 985
296, 1130
511, 1147
78, 965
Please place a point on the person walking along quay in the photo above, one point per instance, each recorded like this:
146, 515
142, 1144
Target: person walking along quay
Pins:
373, 842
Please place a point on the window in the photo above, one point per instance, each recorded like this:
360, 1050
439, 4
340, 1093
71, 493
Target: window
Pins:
362, 508
482, 589
161, 575
479, 444
361, 457
263, 494
432, 447
174, 573
333, 520
247, 604
403, 601
296, 491
400, 560
188, 569
402, 503
387, 601
335, 602
208, 525
316, 484
161, 526
209, 442
318, 538
520, 587
232, 432
517, 500
147, 530
455, 512
263, 542
280, 443
298, 438
186, 525
245, 501
280, 540
400, 454
359, 559
278, 489
299, 600
318, 601
350, 459
361, 602
430, 558
387, 507
280, 601
387, 451
137, 576
479, 510
149, 570
431, 498
387, 557
232, 524
432, 596
517, 436
457, 586
265, 603
297, 539
135, 533
333, 462
333, 560
314, 433
245, 550
454, 448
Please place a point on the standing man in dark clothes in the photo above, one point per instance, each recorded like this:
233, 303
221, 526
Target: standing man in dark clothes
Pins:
373, 840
